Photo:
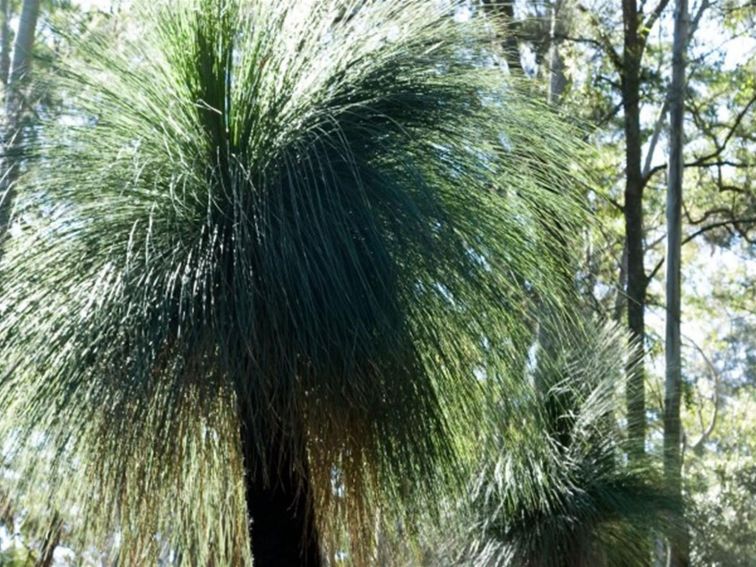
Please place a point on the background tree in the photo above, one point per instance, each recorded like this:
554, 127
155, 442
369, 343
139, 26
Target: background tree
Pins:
679, 544
722, 217
718, 209
13, 74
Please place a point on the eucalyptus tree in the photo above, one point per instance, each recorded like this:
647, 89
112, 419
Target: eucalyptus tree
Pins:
270, 270
12, 74
678, 539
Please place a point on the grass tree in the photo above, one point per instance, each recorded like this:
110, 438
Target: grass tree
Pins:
269, 270
559, 491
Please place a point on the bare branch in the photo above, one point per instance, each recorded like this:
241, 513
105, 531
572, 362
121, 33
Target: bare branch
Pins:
648, 24
603, 38
702, 230
708, 227
708, 430
706, 160
609, 115
654, 139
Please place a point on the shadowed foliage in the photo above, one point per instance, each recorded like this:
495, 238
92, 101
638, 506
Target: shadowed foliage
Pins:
559, 491
309, 223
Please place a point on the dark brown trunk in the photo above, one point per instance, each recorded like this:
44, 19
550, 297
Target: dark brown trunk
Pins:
637, 281
52, 539
633, 210
282, 529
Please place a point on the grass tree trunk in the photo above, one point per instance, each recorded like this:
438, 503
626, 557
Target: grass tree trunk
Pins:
678, 539
637, 280
279, 504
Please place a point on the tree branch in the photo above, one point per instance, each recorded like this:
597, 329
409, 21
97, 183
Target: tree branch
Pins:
603, 38
652, 18
708, 430
699, 232
705, 160
708, 227
654, 140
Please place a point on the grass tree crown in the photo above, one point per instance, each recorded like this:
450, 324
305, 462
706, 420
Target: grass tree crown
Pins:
568, 497
330, 217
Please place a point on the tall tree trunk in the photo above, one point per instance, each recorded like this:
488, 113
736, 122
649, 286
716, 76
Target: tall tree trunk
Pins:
22, 47
678, 538
557, 77
282, 529
22, 50
633, 210
52, 539
4, 42
504, 9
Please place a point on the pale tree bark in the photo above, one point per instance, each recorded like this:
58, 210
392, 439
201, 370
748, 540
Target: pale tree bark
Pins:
22, 47
678, 537
19, 71
659, 124
4, 42
557, 77
504, 10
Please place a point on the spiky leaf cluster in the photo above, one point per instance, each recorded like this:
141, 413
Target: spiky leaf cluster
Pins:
331, 217
559, 491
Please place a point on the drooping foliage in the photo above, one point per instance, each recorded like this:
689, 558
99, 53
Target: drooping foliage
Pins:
559, 490
331, 217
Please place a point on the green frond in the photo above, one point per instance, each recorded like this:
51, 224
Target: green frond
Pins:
567, 497
331, 216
